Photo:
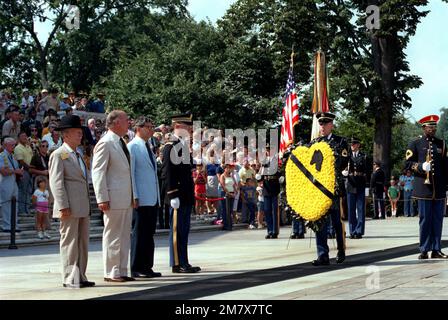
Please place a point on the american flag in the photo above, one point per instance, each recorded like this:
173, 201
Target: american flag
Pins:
290, 113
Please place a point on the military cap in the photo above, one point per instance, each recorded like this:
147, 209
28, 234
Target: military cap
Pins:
429, 120
354, 140
186, 118
325, 117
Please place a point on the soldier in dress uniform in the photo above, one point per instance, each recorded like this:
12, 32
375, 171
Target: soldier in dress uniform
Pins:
271, 190
177, 178
340, 148
377, 181
427, 157
355, 184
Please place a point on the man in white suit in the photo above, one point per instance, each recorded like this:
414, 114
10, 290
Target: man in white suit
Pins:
145, 187
69, 185
111, 177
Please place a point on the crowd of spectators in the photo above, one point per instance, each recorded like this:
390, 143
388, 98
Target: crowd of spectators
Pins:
30, 121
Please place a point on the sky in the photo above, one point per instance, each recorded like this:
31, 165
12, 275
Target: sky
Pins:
427, 52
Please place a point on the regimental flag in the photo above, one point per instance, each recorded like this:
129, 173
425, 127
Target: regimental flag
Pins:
320, 97
290, 113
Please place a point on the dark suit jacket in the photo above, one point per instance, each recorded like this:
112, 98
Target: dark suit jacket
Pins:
377, 182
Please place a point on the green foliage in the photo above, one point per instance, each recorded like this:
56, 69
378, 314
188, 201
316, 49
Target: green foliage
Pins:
404, 131
442, 127
151, 57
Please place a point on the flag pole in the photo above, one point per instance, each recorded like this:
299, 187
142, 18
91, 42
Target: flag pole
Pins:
292, 70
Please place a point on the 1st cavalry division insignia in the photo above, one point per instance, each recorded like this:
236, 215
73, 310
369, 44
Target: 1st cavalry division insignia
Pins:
409, 154
310, 180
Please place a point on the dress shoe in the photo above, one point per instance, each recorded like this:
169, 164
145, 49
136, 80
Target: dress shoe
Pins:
340, 256
274, 236
179, 269
358, 236
150, 274
87, 284
126, 278
353, 236
71, 285
194, 268
438, 255
423, 255
293, 236
114, 280
268, 236
301, 236
321, 261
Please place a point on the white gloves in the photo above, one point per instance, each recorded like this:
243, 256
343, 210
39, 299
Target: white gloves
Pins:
281, 179
426, 166
175, 203
345, 173
258, 176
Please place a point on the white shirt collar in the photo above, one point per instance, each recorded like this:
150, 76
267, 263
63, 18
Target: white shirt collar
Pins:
68, 148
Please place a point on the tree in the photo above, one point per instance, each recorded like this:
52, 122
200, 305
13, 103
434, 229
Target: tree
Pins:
368, 72
17, 23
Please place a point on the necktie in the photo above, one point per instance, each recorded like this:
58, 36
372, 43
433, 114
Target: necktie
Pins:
125, 150
11, 160
150, 154
81, 163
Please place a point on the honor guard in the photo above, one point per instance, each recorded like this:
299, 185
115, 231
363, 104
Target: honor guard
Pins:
271, 190
178, 182
340, 148
427, 158
355, 183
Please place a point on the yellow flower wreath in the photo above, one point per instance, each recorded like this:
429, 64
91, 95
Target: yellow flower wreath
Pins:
301, 194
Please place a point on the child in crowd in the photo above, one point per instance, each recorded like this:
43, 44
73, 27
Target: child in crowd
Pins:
249, 199
200, 181
40, 201
394, 194
260, 203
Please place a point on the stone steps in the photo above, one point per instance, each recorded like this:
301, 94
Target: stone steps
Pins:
28, 236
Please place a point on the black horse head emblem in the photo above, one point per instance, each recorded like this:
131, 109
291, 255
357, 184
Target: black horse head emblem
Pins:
317, 159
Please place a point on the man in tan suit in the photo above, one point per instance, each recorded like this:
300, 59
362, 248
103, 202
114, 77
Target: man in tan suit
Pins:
111, 177
68, 183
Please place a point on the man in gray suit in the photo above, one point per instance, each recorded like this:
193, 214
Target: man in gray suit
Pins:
9, 171
111, 178
69, 185
145, 187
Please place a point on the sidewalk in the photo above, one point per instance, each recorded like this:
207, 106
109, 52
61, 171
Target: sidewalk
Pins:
243, 265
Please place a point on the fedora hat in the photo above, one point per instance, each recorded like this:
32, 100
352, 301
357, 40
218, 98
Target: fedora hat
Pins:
68, 122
